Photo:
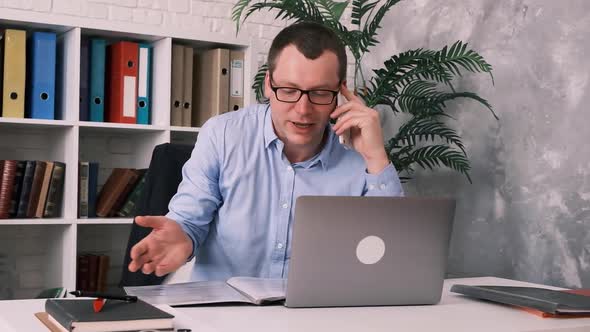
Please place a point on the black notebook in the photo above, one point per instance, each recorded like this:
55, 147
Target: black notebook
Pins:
545, 300
78, 315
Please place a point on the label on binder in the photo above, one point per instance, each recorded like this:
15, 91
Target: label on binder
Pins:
129, 97
237, 78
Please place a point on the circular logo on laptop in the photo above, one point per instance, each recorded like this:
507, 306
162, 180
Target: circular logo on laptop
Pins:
370, 250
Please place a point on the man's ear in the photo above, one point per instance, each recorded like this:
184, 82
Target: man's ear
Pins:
267, 90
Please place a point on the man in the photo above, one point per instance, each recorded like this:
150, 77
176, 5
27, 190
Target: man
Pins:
234, 207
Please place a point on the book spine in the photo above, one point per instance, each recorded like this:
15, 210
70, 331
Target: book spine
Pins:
23, 201
130, 178
17, 188
55, 194
36, 188
129, 208
60, 314
6, 187
83, 190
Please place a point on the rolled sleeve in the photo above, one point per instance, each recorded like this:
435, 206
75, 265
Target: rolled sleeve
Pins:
195, 204
386, 183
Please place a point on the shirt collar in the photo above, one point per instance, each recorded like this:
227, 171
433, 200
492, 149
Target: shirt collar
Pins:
269, 131
323, 157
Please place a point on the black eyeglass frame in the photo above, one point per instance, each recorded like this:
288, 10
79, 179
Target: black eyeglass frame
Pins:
302, 92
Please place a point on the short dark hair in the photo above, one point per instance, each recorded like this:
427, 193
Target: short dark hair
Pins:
311, 39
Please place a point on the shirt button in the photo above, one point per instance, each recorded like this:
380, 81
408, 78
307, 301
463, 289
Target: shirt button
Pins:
382, 186
371, 186
280, 246
289, 168
285, 205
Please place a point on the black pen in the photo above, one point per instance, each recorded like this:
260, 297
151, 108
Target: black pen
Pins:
126, 298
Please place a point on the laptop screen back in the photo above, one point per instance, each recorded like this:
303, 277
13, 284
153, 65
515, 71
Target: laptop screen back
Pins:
358, 251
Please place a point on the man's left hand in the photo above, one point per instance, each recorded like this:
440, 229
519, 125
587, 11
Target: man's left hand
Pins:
366, 135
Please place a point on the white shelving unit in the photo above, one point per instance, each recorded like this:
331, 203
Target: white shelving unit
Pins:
41, 253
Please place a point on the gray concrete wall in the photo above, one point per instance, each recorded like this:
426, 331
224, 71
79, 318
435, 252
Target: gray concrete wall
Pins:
527, 214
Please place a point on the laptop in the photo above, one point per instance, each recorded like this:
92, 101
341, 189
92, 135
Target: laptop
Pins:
368, 251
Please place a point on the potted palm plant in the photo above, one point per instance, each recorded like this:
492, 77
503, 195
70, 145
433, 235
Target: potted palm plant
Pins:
418, 83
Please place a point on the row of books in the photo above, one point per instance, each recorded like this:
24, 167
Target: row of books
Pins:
118, 196
92, 271
28, 72
31, 189
205, 84
115, 81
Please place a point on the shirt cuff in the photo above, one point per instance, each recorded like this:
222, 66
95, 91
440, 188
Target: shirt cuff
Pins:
385, 183
187, 231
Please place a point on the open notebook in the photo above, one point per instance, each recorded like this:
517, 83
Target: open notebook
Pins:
237, 289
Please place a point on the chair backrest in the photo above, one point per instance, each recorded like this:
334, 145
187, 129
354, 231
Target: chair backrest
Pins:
163, 177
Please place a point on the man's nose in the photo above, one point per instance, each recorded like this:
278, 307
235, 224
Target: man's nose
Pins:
303, 106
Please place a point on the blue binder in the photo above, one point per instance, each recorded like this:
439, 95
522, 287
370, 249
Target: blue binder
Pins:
84, 77
97, 78
42, 76
144, 79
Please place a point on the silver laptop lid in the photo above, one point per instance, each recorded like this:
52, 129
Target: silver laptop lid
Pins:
357, 251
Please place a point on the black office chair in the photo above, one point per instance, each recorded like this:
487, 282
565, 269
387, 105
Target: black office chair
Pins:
163, 176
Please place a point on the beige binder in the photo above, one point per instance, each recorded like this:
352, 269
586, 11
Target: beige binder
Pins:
177, 86
13, 95
187, 95
211, 91
236, 80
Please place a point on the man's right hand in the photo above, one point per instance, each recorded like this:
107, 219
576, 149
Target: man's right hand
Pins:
164, 250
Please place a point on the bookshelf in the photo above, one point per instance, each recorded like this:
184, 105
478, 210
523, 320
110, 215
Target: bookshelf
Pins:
41, 253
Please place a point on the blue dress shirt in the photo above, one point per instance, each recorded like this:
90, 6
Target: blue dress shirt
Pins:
237, 196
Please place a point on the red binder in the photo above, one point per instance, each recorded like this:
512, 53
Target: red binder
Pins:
122, 68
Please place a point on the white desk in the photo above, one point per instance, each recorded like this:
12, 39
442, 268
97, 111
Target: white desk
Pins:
454, 313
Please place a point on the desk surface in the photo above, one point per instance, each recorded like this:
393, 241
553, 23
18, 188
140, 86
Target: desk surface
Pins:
454, 313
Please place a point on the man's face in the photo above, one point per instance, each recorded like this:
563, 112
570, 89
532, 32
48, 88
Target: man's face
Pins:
301, 125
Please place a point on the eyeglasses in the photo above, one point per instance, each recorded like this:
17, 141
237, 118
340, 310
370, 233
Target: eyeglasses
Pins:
315, 96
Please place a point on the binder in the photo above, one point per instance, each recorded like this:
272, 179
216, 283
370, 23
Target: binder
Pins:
212, 89
236, 80
84, 77
1, 68
187, 94
144, 81
177, 85
41, 93
97, 79
15, 51
122, 77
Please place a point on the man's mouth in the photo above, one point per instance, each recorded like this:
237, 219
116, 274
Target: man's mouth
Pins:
302, 125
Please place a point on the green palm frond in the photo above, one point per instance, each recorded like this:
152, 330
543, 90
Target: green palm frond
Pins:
237, 11
398, 70
297, 10
432, 156
423, 129
460, 55
360, 8
370, 28
258, 85
331, 10
422, 97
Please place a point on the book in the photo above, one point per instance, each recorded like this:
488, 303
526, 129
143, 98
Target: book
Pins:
7, 176
119, 184
18, 185
251, 290
548, 301
78, 315
55, 192
129, 208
